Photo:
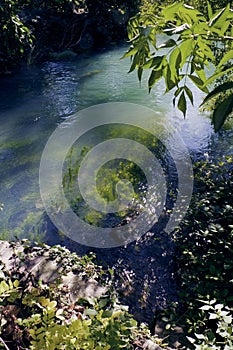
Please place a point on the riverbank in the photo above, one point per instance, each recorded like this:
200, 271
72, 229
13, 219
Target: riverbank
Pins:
34, 31
39, 281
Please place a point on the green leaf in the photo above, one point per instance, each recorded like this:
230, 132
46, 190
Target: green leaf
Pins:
210, 12
221, 112
221, 88
217, 75
154, 77
169, 11
206, 50
189, 94
103, 302
140, 71
132, 51
205, 307
168, 43
16, 283
178, 91
152, 36
4, 287
186, 49
107, 313
191, 340
201, 75
154, 62
136, 60
174, 62
52, 304
148, 64
225, 27
212, 269
178, 60
216, 17
90, 312
170, 84
199, 83
223, 17
182, 104
228, 56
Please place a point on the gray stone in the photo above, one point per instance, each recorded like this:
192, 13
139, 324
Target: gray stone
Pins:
48, 271
150, 345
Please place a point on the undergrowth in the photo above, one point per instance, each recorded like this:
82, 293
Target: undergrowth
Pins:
39, 315
204, 251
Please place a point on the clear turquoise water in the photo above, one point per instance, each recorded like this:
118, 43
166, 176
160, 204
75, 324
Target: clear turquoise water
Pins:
37, 99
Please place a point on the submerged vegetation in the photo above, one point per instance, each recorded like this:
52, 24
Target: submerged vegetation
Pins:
110, 175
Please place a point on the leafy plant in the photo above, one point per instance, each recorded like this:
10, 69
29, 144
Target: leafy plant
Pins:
32, 31
222, 336
38, 315
190, 40
204, 250
15, 35
205, 244
95, 328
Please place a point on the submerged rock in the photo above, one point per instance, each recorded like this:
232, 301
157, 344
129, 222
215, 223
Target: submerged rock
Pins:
63, 55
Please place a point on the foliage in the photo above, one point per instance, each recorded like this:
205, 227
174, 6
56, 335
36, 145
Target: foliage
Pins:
190, 40
223, 336
202, 6
205, 239
38, 315
96, 329
15, 35
32, 30
204, 248
109, 19
223, 108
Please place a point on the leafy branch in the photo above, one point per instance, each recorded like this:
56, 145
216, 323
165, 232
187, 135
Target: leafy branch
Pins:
190, 41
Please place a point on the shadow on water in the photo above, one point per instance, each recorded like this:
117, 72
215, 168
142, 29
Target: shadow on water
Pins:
144, 270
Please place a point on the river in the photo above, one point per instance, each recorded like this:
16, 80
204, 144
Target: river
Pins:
36, 100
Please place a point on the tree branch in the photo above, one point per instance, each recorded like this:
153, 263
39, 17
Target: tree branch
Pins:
223, 38
4, 344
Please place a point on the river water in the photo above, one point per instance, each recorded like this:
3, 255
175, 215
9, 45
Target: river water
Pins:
37, 99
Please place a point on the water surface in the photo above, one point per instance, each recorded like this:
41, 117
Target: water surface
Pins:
37, 99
